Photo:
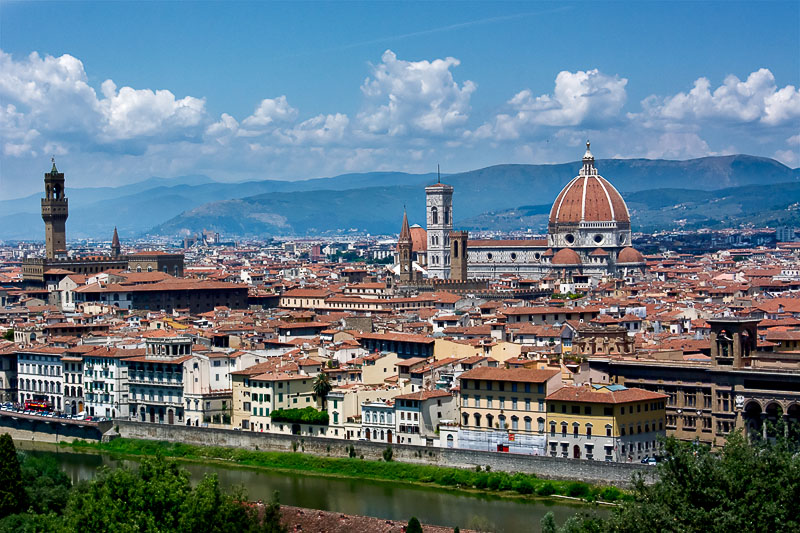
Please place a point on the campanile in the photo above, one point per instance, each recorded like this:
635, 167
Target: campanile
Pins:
55, 211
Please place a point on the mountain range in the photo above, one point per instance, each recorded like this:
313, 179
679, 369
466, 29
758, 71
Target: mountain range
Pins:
725, 190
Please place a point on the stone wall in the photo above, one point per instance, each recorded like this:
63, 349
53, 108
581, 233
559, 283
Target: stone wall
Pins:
544, 467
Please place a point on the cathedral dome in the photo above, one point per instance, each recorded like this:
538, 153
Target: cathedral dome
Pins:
589, 198
630, 255
419, 238
566, 256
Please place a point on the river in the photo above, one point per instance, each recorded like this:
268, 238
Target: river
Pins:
389, 500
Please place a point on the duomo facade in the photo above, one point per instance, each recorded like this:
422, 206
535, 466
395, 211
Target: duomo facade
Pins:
588, 238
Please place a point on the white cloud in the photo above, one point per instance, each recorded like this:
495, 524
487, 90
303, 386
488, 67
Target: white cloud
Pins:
132, 113
321, 129
271, 111
755, 99
578, 97
414, 97
54, 95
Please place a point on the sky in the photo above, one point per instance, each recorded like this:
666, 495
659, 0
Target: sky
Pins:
118, 92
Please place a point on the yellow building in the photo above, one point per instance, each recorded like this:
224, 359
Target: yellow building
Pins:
257, 393
500, 406
605, 422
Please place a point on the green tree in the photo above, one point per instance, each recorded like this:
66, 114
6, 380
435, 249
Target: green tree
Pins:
388, 453
47, 487
414, 526
322, 386
8, 335
12, 492
741, 487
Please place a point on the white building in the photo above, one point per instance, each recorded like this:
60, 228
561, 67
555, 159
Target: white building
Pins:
106, 382
40, 376
377, 421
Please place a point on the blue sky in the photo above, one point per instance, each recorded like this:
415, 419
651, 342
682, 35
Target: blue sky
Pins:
123, 91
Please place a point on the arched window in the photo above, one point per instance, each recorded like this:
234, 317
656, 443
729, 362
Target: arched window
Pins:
477, 419
434, 215
466, 418
446, 215
563, 429
514, 423
588, 431
489, 420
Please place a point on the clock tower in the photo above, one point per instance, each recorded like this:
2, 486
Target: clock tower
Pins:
55, 211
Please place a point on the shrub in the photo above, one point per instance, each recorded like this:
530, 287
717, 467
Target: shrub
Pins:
387, 454
610, 494
306, 415
547, 489
522, 484
351, 452
414, 526
578, 490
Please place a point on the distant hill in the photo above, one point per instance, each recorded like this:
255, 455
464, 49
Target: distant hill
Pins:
136, 208
660, 209
497, 188
371, 202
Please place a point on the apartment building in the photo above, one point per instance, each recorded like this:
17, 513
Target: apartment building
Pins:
605, 422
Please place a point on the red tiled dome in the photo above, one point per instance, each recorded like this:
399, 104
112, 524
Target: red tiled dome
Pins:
419, 239
630, 255
566, 256
591, 199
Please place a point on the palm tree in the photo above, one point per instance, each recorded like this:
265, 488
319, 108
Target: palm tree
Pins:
322, 386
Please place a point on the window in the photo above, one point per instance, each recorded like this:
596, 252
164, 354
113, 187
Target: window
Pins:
552, 429
514, 403
489, 402
513, 387
514, 423
540, 424
477, 401
563, 429
588, 431
608, 411
575, 427
527, 404
502, 402
576, 409
608, 430
541, 404
587, 410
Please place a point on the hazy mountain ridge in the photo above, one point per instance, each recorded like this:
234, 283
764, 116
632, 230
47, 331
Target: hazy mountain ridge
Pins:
367, 202
500, 187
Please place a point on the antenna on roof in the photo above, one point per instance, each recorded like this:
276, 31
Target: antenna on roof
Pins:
438, 175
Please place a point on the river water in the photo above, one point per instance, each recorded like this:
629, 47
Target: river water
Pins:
394, 501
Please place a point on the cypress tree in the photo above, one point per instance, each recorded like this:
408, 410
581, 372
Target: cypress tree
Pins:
414, 526
12, 492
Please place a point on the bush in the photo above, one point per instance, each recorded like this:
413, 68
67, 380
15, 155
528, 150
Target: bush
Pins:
578, 490
387, 454
351, 452
522, 484
306, 415
610, 494
414, 526
548, 489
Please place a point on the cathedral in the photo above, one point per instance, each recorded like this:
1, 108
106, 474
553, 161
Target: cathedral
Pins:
588, 238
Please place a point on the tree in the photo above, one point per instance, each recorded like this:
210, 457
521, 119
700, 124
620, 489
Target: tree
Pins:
322, 386
8, 335
414, 526
12, 492
741, 487
47, 487
388, 453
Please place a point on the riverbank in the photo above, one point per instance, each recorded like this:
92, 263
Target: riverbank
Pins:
481, 480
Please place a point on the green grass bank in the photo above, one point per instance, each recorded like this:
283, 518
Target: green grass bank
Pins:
353, 467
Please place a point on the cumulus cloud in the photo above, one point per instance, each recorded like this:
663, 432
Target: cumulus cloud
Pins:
414, 97
578, 97
756, 99
271, 111
130, 113
55, 98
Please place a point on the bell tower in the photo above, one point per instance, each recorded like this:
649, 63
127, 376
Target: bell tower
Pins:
404, 250
439, 207
55, 211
